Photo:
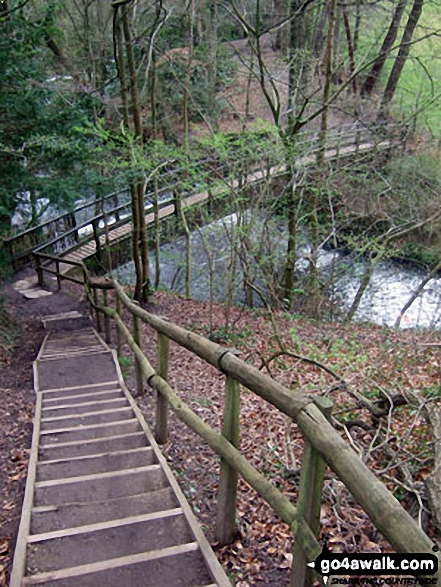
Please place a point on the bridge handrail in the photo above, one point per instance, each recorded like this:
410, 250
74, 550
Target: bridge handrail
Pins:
324, 442
337, 137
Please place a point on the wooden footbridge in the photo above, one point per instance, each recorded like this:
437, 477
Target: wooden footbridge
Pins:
102, 508
85, 231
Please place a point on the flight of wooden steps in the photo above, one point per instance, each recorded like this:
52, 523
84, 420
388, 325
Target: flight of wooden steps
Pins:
101, 508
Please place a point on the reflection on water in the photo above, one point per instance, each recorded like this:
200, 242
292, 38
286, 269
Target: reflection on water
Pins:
211, 251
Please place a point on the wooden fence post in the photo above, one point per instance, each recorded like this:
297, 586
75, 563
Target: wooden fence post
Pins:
138, 370
73, 223
357, 139
118, 333
309, 501
97, 312
226, 501
337, 150
96, 238
161, 433
106, 319
57, 267
38, 267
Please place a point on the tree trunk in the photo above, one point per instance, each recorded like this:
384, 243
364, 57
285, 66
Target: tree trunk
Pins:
118, 40
291, 248
298, 66
403, 54
186, 96
136, 115
327, 83
187, 234
351, 53
386, 47
212, 17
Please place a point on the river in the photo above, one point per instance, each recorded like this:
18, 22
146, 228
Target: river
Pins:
390, 288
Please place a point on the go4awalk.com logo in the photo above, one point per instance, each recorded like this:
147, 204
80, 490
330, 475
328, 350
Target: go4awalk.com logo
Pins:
374, 564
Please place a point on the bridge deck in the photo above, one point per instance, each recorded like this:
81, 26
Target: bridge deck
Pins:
115, 234
102, 508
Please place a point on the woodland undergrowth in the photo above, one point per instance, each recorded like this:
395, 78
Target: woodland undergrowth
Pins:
384, 384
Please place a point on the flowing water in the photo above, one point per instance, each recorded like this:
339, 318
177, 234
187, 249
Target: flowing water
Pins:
390, 288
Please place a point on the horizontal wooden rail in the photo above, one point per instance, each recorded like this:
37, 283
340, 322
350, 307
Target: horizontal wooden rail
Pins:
386, 513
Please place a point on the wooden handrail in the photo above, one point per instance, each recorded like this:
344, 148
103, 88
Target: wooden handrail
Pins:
335, 140
376, 500
386, 513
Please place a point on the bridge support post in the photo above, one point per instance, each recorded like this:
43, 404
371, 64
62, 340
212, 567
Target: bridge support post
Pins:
226, 501
161, 425
309, 502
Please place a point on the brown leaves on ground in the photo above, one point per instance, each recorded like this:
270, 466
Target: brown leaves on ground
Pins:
378, 363
16, 414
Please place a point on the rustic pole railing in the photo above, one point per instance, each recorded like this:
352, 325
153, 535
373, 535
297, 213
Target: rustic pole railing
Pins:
137, 339
161, 424
385, 511
106, 319
309, 501
323, 444
226, 501
118, 334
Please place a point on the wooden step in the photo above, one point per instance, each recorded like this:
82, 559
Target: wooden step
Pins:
87, 418
99, 463
180, 566
57, 517
84, 407
93, 446
101, 506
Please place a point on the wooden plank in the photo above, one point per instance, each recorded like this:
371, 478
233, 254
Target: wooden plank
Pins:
109, 475
87, 427
76, 396
19, 563
92, 440
51, 390
213, 564
102, 454
104, 525
78, 354
87, 414
67, 350
82, 404
110, 564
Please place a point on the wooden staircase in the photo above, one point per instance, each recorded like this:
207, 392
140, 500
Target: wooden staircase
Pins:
101, 508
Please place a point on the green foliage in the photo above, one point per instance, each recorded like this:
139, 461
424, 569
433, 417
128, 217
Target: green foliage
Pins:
125, 363
434, 391
419, 253
41, 154
235, 336
172, 75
